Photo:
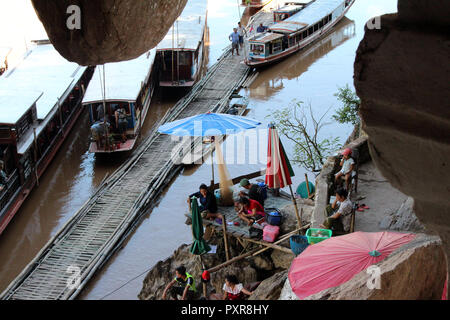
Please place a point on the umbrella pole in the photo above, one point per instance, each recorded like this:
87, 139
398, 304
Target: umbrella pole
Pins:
299, 220
203, 282
212, 170
225, 239
212, 163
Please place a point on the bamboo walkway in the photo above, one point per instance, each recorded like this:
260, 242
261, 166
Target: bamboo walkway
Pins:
100, 226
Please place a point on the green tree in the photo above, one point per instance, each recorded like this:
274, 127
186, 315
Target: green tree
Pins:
349, 112
309, 150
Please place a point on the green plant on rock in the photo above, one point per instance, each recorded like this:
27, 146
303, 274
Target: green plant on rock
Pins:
349, 112
299, 125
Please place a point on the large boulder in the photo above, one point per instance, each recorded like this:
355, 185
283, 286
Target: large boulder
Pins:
270, 288
290, 218
282, 260
402, 276
403, 86
404, 219
110, 30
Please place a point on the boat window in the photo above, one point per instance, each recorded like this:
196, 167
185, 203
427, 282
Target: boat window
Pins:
310, 31
185, 58
329, 17
320, 24
298, 37
277, 46
292, 41
305, 34
316, 27
4, 133
257, 49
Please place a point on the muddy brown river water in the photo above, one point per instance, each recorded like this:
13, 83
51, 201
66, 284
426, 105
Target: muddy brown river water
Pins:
312, 76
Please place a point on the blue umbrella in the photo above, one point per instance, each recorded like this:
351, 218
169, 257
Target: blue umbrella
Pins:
208, 125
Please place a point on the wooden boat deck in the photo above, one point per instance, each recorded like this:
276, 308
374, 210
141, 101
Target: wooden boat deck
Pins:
243, 230
99, 227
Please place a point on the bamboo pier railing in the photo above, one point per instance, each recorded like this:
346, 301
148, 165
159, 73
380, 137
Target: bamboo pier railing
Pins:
69, 260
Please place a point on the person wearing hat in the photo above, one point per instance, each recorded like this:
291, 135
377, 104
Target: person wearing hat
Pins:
254, 191
347, 164
3, 177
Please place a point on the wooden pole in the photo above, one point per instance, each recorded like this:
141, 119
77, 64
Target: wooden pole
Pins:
307, 185
204, 283
225, 239
285, 237
242, 256
212, 163
270, 245
299, 220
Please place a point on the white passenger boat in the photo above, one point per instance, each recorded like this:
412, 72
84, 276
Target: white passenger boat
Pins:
40, 101
290, 35
181, 52
120, 86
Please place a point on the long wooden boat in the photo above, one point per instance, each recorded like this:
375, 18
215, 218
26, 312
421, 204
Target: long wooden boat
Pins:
180, 54
288, 36
40, 101
128, 86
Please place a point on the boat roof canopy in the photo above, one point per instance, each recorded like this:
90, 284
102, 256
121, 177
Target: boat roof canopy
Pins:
266, 37
187, 29
43, 71
308, 16
289, 8
123, 80
14, 104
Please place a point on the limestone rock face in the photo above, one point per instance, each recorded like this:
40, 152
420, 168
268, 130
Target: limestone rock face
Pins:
401, 75
424, 11
110, 30
290, 218
414, 271
282, 259
404, 219
270, 288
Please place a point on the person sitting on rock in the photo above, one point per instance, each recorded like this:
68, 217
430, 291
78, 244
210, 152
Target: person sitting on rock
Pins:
339, 213
233, 290
348, 165
208, 203
185, 285
251, 210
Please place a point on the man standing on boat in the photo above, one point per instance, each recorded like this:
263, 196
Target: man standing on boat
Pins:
234, 38
242, 32
261, 28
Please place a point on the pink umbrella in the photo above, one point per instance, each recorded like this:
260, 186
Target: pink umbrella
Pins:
336, 260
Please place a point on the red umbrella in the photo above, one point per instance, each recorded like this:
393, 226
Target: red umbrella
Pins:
279, 170
336, 260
